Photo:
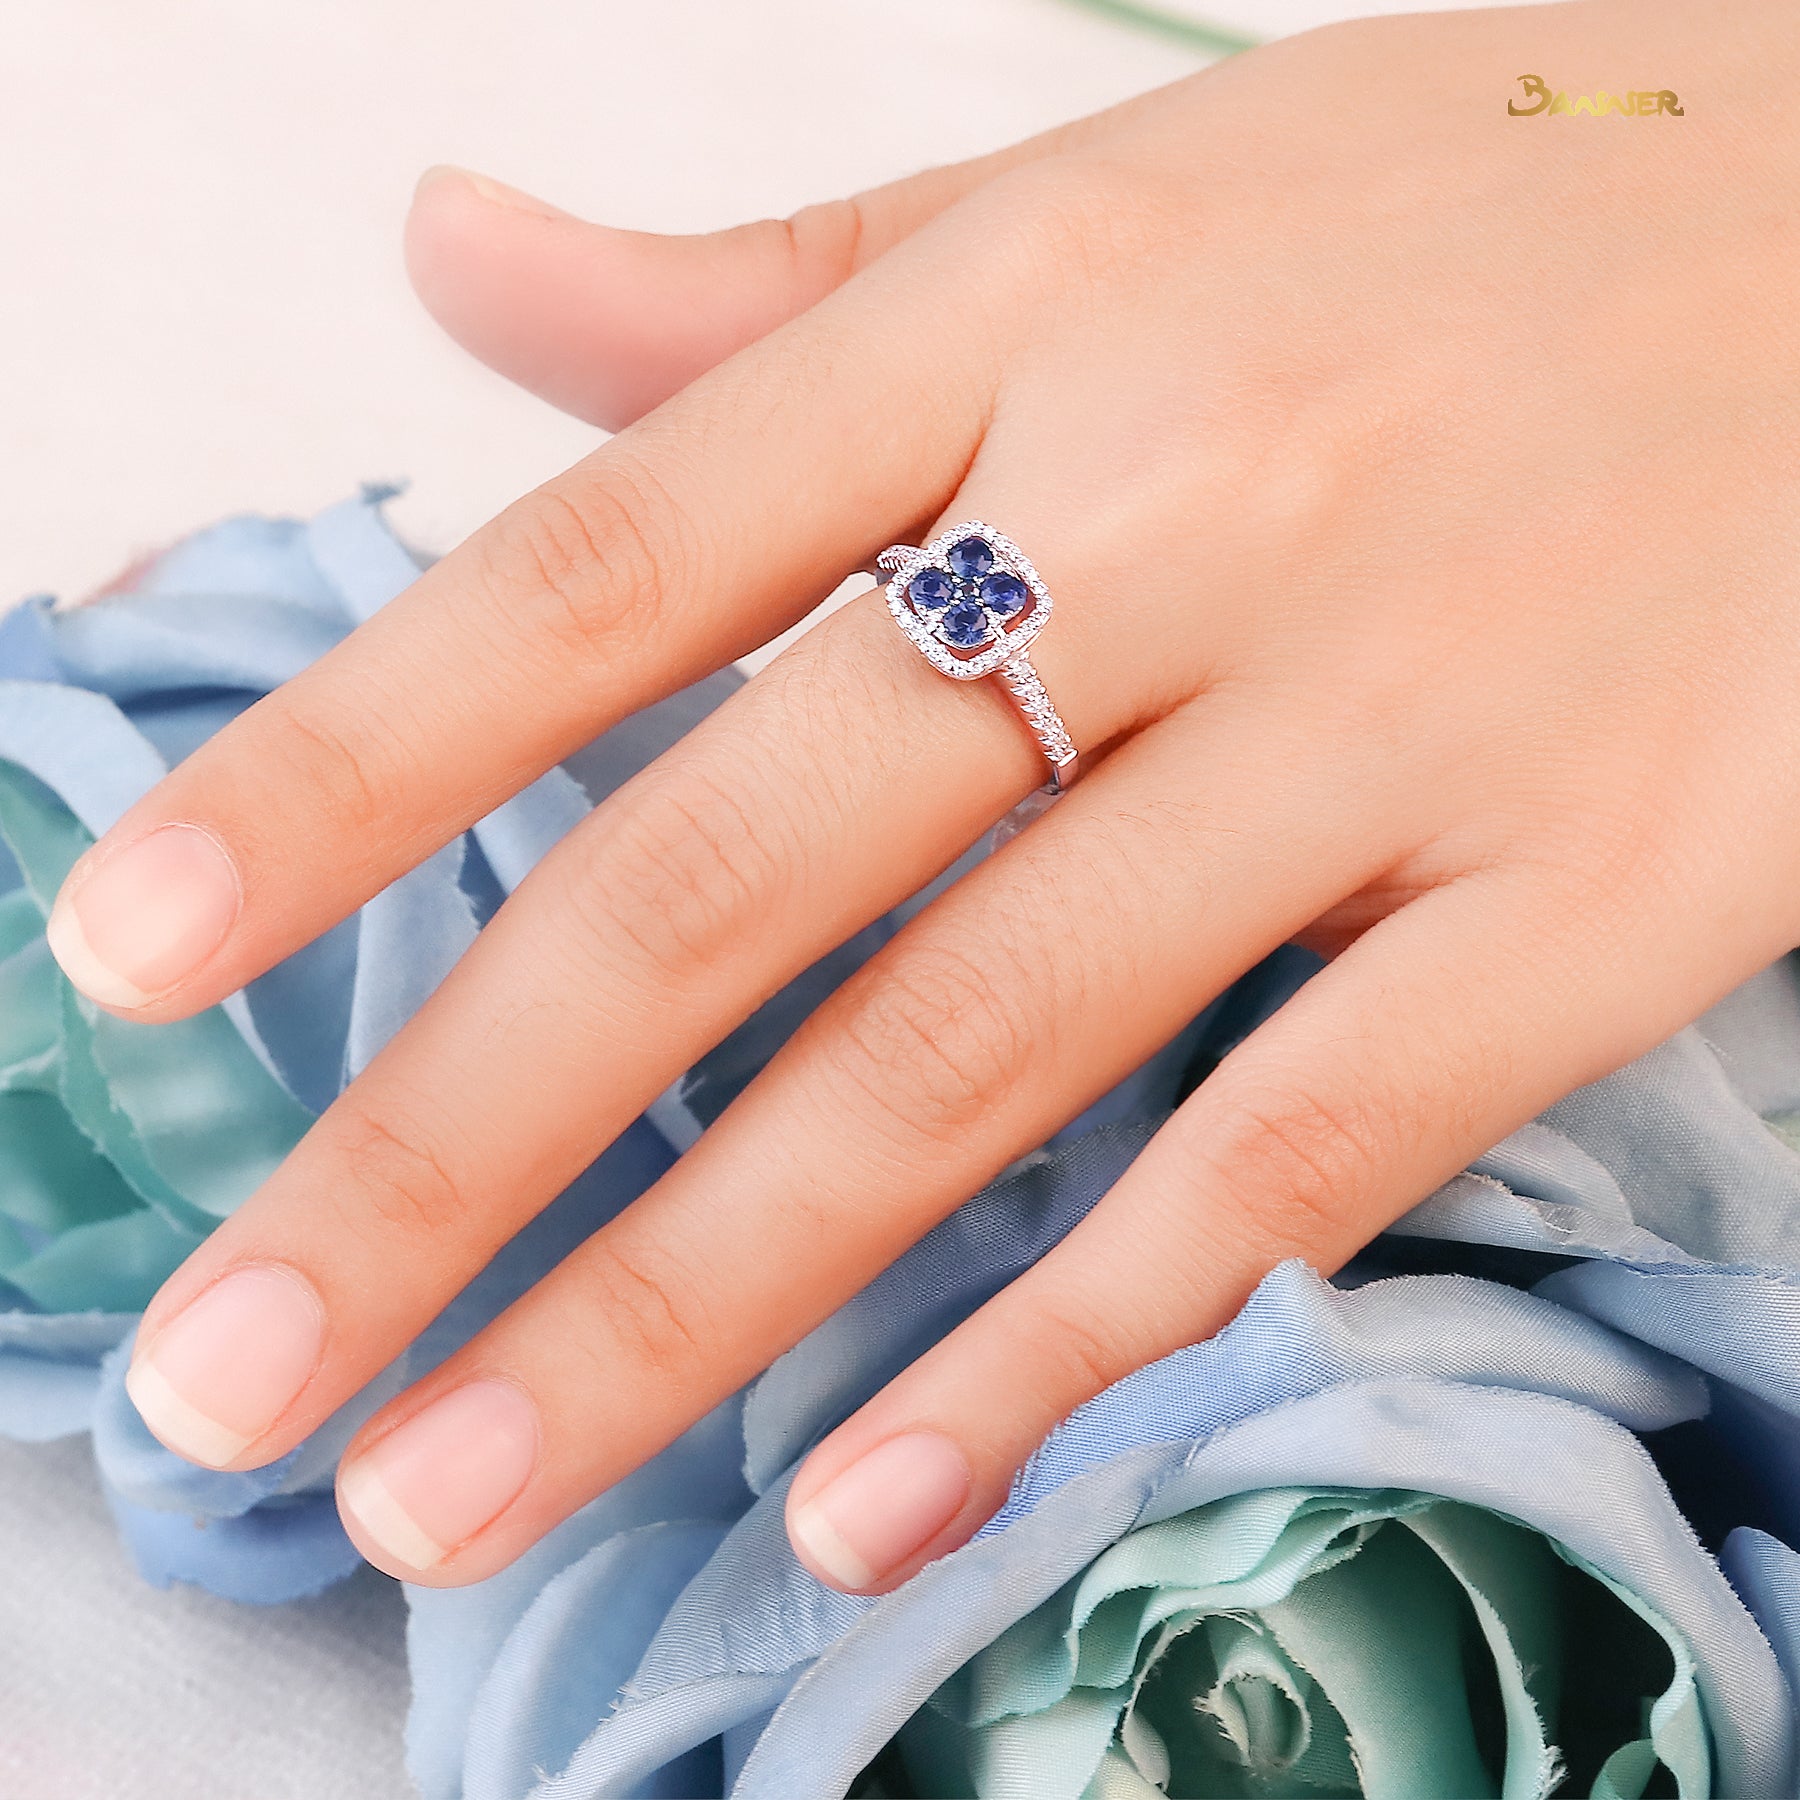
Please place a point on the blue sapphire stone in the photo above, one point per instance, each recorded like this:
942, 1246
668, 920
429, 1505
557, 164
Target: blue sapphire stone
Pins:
1004, 594
964, 625
930, 589
971, 557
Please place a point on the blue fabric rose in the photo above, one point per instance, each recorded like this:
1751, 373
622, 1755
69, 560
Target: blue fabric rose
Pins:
1505, 1506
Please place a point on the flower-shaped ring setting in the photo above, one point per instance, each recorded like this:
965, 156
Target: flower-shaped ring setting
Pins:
972, 603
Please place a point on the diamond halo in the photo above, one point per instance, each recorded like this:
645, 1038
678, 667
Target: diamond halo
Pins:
1009, 639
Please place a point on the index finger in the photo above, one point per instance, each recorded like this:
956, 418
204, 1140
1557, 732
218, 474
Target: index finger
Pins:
696, 534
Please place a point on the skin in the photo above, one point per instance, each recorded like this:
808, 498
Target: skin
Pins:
1420, 488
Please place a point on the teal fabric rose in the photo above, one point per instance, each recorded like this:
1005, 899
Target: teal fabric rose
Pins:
1328, 1643
119, 1145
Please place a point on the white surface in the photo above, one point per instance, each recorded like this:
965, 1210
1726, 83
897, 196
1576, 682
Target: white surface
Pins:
111, 1690
203, 308
203, 311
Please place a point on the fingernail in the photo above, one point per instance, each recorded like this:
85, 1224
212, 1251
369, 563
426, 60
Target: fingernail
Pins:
145, 917
452, 1468
867, 1521
496, 193
227, 1366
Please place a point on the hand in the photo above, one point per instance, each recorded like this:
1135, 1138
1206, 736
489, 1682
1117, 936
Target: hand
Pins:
1421, 489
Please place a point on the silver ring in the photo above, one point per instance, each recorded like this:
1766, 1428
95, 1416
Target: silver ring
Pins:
973, 604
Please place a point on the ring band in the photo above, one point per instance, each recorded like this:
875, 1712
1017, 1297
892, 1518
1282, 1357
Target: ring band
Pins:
973, 604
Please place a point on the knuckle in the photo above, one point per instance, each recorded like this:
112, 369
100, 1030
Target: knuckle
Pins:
936, 1043
1297, 1166
825, 241
686, 869
352, 760
1082, 1353
1284, 485
1077, 221
1282, 463
1314, 1162
650, 1303
400, 1172
1294, 445
586, 571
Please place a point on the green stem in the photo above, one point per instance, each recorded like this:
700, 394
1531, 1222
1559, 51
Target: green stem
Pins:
1214, 38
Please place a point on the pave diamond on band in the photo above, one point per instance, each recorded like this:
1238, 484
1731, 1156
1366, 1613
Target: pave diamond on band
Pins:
1046, 723
973, 604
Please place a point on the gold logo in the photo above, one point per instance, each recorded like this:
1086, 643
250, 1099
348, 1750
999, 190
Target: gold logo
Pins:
1640, 103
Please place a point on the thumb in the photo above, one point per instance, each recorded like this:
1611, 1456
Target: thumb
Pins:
605, 323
